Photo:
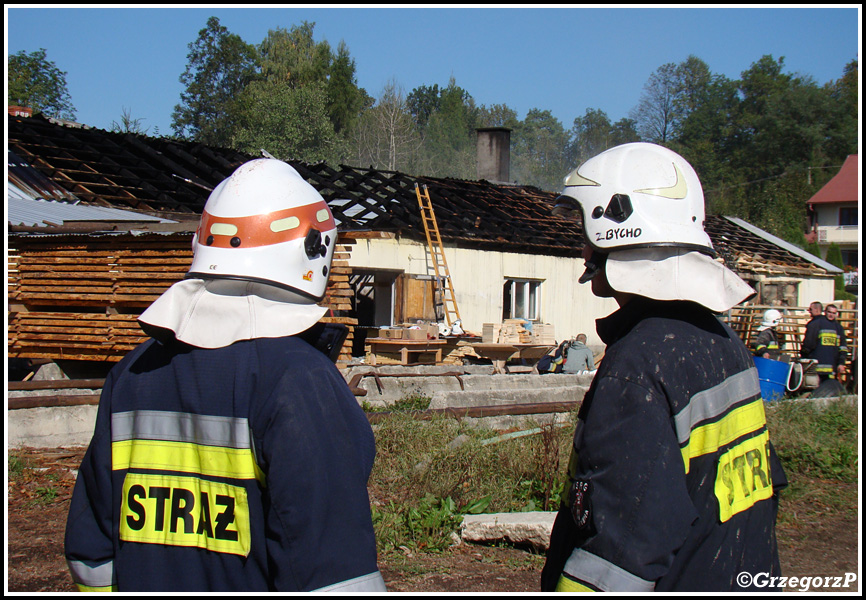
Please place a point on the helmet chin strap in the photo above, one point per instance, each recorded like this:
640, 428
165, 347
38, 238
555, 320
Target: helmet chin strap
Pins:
593, 266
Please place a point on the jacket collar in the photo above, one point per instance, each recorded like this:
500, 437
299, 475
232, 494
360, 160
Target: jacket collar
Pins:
616, 325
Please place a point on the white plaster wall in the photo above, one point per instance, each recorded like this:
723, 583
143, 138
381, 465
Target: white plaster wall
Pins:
478, 277
812, 290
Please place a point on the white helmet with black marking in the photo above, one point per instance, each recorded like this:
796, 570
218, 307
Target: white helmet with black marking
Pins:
643, 216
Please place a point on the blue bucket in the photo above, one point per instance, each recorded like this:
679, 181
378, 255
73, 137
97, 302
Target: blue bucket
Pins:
773, 376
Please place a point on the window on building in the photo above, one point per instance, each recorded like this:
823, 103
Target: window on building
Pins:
521, 299
848, 215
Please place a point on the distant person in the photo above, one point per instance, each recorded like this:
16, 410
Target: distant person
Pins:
554, 361
769, 343
229, 454
825, 342
578, 357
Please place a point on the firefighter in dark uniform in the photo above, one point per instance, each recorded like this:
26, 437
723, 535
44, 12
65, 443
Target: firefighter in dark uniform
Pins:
229, 453
825, 342
672, 483
768, 343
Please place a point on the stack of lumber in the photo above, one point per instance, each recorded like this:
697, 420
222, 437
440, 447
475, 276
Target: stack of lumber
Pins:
339, 295
542, 333
78, 297
513, 331
96, 272
73, 336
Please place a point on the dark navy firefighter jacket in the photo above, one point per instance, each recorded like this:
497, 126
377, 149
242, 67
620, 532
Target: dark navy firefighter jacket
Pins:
673, 480
241, 468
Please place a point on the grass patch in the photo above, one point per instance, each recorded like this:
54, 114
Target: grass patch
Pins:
818, 448
16, 466
815, 441
428, 474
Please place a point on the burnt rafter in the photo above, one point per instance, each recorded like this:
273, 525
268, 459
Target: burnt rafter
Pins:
174, 177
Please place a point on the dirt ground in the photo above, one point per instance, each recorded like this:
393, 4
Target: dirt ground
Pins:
38, 501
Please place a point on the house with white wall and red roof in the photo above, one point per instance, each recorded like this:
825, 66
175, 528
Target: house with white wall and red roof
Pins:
833, 214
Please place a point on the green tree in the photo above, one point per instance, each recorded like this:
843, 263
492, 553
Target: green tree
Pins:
422, 102
706, 133
345, 99
293, 57
843, 127
498, 115
814, 249
541, 151
289, 123
834, 257
36, 82
449, 138
219, 66
782, 120
386, 136
594, 133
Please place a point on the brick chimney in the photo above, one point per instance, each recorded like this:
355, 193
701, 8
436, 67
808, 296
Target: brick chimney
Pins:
20, 111
493, 152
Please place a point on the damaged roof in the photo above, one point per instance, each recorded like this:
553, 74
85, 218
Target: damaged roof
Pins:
173, 178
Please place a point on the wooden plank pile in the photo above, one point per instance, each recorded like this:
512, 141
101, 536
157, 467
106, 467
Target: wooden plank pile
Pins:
77, 297
339, 295
513, 331
110, 271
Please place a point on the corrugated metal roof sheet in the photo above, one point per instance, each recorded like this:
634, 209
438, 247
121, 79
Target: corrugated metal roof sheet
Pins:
22, 210
30, 183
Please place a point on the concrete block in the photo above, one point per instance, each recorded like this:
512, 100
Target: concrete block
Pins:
51, 427
529, 528
501, 397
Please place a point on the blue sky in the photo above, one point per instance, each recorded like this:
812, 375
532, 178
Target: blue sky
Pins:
555, 58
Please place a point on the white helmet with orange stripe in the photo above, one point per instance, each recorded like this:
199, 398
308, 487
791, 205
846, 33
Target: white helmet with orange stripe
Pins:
265, 223
261, 260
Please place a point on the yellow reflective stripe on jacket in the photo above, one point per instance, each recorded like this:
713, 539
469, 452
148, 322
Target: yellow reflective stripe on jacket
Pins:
184, 442
566, 584
712, 407
708, 438
185, 458
84, 588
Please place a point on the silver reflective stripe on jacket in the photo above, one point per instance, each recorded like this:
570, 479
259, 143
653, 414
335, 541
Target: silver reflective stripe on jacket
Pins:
604, 575
715, 401
101, 576
208, 430
366, 583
